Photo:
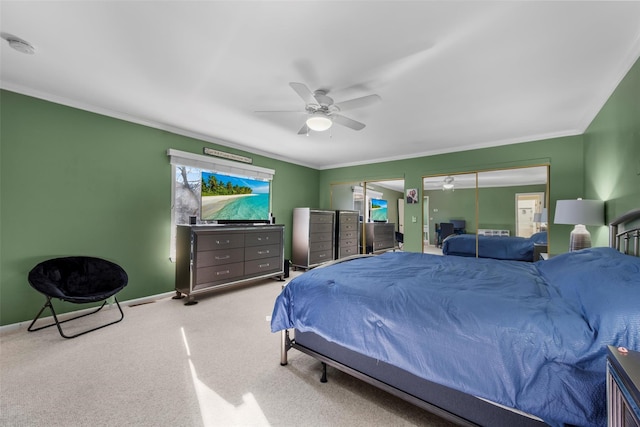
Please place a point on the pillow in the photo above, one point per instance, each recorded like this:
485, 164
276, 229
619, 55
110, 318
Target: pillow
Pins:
540, 237
604, 285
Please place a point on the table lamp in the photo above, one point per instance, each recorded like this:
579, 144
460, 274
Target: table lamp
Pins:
579, 213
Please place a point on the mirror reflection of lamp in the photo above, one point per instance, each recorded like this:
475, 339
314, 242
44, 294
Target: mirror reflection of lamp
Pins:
448, 184
579, 213
541, 219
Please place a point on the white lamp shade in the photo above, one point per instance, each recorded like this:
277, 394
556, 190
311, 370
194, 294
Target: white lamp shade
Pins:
585, 212
540, 216
319, 122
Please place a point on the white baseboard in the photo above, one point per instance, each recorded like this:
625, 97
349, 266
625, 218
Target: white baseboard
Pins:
15, 326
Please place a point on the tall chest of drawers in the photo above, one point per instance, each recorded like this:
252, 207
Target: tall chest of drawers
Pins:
347, 233
217, 256
313, 237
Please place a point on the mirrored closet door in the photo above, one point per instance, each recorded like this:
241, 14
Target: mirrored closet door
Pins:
505, 202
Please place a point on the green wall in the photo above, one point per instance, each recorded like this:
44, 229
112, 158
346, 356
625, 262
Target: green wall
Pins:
74, 182
612, 153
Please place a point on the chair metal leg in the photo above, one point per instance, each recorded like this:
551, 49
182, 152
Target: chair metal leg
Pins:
58, 323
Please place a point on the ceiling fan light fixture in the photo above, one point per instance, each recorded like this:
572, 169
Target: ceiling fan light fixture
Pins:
448, 183
319, 122
18, 44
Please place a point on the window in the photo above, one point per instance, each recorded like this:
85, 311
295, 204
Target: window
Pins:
186, 173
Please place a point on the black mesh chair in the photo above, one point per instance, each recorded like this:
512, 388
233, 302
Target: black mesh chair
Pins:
78, 280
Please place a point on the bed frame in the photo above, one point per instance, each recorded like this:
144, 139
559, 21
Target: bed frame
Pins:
458, 407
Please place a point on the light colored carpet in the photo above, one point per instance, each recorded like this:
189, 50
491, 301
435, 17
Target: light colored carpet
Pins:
212, 364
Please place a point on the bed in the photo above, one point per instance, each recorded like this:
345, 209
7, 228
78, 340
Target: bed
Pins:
496, 247
476, 341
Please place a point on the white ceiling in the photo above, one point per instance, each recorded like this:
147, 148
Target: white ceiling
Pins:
452, 75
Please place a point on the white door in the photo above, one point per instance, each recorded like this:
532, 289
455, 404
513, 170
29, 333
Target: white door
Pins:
527, 204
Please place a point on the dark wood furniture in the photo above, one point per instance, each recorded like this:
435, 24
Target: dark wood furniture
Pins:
347, 233
623, 387
313, 237
217, 256
538, 250
379, 237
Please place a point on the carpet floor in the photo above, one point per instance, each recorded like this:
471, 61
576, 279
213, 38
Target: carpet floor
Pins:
215, 363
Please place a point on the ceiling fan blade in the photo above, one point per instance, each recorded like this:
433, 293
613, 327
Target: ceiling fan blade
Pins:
303, 91
358, 102
281, 111
345, 121
304, 129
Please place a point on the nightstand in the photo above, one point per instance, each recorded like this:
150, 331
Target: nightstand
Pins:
623, 388
539, 249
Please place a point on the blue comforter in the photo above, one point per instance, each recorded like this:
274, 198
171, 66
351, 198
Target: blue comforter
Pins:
510, 248
531, 336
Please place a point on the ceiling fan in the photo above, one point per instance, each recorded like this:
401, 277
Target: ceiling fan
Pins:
322, 112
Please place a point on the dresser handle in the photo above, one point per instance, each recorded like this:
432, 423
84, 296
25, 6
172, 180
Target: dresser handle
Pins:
223, 257
218, 242
264, 265
263, 252
219, 273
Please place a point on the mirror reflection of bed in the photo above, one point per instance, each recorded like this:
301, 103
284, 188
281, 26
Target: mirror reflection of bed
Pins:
499, 203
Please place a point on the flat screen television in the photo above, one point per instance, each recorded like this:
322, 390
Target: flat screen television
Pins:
379, 210
232, 199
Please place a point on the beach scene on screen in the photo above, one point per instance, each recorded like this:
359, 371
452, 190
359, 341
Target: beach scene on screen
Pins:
226, 197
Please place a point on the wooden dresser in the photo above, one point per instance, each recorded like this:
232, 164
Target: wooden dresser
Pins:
216, 256
347, 233
313, 237
380, 236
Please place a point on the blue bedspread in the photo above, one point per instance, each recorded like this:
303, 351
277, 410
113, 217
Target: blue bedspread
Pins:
531, 336
510, 248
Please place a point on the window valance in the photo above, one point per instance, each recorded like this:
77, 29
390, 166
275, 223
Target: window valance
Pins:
177, 157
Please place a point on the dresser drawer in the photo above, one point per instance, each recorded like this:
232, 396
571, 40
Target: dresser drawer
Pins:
259, 252
320, 237
321, 217
385, 233
209, 276
348, 242
321, 228
261, 266
348, 227
348, 235
317, 257
214, 241
348, 251
262, 238
349, 218
222, 256
321, 246
382, 244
